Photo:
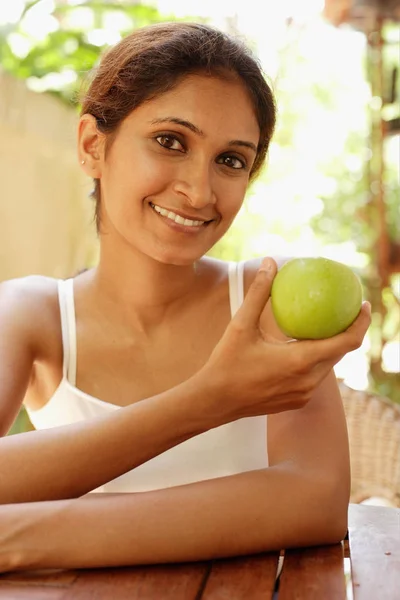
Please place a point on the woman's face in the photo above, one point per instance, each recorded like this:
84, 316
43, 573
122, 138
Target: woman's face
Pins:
176, 174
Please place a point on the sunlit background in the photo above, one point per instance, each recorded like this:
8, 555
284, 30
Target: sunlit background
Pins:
310, 199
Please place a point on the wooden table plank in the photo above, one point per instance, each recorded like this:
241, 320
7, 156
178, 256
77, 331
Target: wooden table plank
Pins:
313, 574
374, 541
166, 582
243, 578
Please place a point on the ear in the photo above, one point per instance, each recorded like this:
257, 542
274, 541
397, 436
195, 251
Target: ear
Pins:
91, 144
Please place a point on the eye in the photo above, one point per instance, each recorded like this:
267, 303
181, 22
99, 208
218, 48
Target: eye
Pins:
231, 161
170, 142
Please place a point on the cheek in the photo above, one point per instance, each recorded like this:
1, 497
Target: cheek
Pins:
143, 176
231, 198
129, 181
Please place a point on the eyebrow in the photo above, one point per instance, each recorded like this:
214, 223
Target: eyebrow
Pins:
199, 132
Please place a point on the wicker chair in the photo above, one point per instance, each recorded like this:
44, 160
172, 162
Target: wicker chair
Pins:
374, 434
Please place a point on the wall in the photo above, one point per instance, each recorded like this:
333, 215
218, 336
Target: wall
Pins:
45, 213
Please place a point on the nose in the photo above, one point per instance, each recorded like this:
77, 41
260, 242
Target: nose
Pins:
195, 182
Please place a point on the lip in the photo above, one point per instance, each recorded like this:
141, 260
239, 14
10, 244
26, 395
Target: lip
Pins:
183, 215
178, 227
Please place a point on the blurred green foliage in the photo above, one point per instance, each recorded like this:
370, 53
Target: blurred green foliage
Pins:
21, 423
69, 46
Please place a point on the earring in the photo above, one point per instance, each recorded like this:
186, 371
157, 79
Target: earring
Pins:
83, 162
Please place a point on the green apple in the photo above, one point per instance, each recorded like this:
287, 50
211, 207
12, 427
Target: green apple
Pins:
314, 298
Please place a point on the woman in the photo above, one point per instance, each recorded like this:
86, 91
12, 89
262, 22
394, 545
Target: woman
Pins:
149, 374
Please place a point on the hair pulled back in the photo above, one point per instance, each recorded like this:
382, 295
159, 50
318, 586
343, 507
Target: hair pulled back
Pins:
152, 60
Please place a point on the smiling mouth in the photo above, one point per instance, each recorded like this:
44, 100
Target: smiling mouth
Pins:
177, 218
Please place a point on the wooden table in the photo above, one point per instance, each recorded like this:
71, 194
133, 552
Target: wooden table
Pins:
372, 549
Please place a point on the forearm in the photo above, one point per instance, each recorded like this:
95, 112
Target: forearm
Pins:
69, 461
252, 512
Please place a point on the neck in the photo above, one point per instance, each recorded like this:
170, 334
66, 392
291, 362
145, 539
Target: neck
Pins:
143, 292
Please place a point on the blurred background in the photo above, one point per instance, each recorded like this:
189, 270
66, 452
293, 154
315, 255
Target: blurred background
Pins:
330, 188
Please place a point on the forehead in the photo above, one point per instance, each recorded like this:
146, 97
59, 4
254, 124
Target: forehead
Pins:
213, 104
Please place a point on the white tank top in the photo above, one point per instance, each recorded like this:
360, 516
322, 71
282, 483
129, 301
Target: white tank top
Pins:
232, 448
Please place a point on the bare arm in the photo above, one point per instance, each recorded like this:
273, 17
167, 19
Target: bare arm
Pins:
88, 453
16, 359
301, 499
313, 442
91, 453
257, 376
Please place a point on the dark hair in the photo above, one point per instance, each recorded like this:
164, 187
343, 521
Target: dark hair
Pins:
152, 60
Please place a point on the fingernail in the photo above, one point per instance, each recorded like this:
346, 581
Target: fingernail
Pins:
368, 306
266, 265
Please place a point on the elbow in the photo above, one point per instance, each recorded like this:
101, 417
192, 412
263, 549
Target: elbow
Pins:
339, 524
336, 528
323, 505
340, 498
332, 519
312, 510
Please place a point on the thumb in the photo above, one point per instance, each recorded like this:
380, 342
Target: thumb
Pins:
257, 296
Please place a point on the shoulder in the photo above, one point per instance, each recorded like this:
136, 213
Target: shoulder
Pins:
27, 291
219, 267
28, 307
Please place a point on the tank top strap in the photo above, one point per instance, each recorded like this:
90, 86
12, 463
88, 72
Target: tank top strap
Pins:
68, 328
236, 292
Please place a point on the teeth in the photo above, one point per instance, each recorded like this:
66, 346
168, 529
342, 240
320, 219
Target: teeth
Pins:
174, 217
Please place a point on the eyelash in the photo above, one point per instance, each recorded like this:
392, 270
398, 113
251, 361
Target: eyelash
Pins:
223, 156
168, 136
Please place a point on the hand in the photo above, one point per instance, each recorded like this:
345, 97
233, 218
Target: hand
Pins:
256, 375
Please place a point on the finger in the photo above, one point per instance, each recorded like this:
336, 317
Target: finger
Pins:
257, 296
341, 344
